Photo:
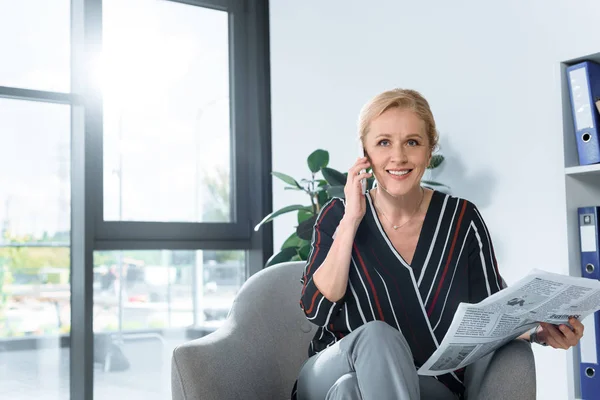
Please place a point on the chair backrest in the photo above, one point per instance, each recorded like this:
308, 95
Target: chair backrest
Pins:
269, 303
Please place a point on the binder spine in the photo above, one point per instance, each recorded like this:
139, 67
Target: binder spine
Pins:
589, 244
589, 351
589, 370
584, 88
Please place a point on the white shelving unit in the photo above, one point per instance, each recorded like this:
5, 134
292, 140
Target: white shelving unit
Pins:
582, 184
583, 170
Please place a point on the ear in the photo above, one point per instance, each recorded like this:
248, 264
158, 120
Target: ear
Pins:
430, 157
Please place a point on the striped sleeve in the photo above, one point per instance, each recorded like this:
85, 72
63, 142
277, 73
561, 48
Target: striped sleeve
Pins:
318, 308
484, 276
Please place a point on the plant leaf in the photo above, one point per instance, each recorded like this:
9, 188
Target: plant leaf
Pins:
323, 197
305, 229
292, 188
317, 160
336, 191
303, 215
304, 251
333, 177
279, 212
436, 161
286, 178
433, 183
284, 255
293, 241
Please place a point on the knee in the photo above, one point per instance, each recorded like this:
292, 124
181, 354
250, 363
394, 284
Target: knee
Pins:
378, 326
379, 329
378, 343
344, 388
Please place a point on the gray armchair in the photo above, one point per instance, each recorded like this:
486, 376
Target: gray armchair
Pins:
259, 350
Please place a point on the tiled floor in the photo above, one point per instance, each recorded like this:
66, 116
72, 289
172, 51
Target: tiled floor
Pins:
44, 374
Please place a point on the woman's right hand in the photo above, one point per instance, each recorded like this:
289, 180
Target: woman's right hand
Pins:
355, 199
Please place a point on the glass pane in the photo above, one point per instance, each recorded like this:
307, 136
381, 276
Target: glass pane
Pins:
34, 250
35, 315
35, 194
36, 44
165, 80
148, 302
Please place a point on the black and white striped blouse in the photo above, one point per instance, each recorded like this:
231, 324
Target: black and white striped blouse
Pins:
453, 262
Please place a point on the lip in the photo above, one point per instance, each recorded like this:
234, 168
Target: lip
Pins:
399, 177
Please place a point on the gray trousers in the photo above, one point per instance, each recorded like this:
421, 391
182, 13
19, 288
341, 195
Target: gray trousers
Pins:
375, 362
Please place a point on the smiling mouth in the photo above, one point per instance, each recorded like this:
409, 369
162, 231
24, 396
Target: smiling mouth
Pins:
399, 173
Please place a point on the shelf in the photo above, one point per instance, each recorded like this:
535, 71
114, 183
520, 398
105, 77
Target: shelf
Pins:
593, 169
582, 188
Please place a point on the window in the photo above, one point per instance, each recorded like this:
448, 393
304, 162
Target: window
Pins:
132, 133
35, 44
35, 290
166, 112
146, 303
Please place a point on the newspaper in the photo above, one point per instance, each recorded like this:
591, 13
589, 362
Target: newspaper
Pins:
478, 329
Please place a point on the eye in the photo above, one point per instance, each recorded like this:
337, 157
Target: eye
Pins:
384, 143
412, 142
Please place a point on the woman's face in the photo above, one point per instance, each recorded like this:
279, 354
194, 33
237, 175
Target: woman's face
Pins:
399, 150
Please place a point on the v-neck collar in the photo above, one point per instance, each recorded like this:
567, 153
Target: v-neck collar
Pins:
424, 230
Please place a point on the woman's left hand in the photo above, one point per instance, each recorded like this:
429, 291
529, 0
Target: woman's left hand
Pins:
561, 336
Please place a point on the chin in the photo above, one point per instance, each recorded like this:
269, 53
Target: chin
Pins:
401, 185
398, 189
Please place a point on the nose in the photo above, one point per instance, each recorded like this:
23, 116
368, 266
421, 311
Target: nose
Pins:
401, 154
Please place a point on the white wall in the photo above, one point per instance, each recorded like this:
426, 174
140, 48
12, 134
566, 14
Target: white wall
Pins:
491, 73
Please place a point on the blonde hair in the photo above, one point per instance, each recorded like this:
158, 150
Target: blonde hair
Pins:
402, 98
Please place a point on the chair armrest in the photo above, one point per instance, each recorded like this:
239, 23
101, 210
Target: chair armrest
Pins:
507, 373
225, 365
257, 352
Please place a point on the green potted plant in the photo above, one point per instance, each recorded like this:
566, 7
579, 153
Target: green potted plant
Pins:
324, 184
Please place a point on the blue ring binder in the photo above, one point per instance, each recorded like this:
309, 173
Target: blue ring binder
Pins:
589, 239
584, 90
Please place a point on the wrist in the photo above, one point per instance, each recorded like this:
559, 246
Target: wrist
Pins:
349, 222
534, 338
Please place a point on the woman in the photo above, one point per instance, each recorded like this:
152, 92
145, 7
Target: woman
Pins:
388, 268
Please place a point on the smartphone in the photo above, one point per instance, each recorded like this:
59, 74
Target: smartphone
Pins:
363, 182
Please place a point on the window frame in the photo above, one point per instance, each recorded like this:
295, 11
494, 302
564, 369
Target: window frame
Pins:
178, 234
